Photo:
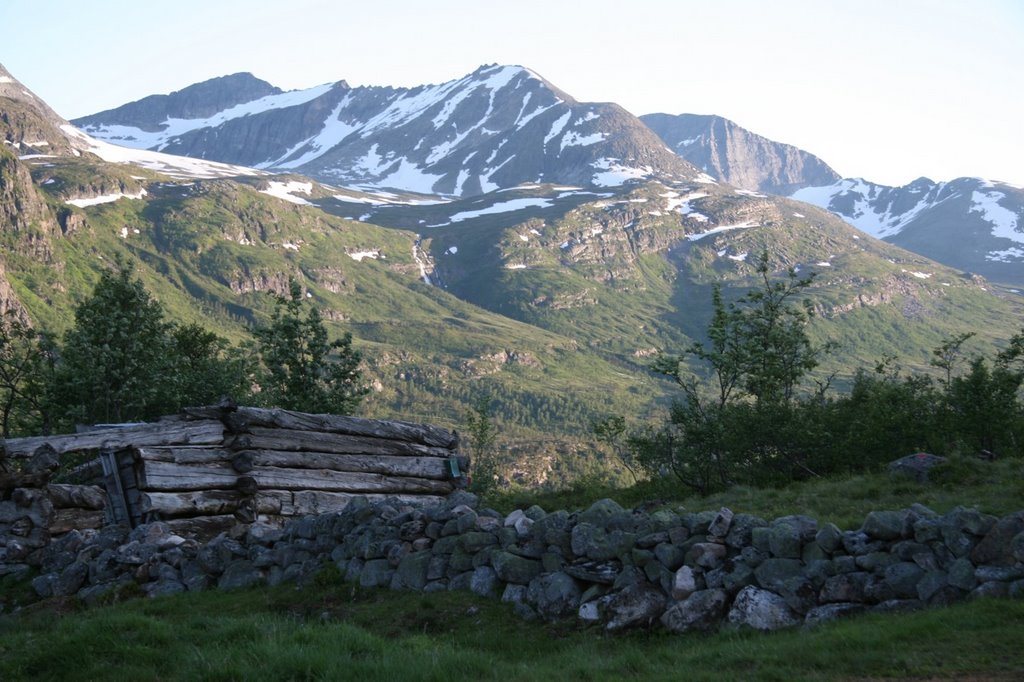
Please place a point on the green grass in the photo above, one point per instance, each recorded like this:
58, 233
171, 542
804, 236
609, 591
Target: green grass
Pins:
991, 487
333, 631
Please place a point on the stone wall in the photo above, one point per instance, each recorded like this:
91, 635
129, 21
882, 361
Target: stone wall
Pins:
686, 571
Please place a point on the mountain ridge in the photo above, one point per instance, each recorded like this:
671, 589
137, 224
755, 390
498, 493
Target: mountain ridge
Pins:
497, 127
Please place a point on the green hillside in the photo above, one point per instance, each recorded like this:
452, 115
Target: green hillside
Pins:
551, 302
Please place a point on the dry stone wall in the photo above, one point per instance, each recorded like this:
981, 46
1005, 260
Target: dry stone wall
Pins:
675, 569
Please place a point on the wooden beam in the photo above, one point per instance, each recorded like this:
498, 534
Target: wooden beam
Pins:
210, 502
168, 476
417, 467
207, 432
245, 418
67, 496
263, 438
65, 520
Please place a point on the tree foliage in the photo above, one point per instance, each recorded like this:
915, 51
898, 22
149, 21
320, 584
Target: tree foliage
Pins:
115, 359
301, 369
26, 363
483, 437
752, 420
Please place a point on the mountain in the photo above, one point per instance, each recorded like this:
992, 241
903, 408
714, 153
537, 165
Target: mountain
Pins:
498, 127
547, 299
972, 224
739, 157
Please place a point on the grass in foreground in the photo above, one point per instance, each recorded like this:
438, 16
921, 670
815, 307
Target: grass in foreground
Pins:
332, 631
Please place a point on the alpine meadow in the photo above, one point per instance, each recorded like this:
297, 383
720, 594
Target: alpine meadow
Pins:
705, 387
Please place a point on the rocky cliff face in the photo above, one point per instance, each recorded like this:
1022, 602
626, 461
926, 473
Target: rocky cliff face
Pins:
495, 128
28, 126
738, 156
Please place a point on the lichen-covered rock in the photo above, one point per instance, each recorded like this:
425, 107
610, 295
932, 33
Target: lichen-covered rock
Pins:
600, 512
554, 595
761, 609
829, 538
484, 581
888, 525
719, 526
996, 548
784, 541
515, 569
637, 605
701, 611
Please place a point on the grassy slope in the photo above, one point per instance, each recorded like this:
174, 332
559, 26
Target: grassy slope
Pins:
579, 322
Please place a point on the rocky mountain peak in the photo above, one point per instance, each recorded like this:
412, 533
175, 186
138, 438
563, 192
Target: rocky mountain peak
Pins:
200, 100
497, 127
744, 159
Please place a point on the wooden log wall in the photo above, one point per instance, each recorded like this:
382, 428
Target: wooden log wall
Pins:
33, 510
220, 463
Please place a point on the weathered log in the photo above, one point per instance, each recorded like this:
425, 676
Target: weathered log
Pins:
167, 476
245, 418
176, 432
218, 411
24, 480
416, 467
67, 496
65, 520
202, 528
247, 485
305, 502
181, 454
209, 502
243, 462
263, 438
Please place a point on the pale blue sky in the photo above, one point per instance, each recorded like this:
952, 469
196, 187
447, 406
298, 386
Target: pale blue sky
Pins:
889, 90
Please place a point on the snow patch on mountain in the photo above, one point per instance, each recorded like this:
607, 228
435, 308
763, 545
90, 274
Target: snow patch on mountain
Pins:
869, 213
410, 177
720, 229
175, 166
574, 139
557, 127
501, 207
612, 172
104, 199
333, 132
287, 190
1011, 255
1003, 220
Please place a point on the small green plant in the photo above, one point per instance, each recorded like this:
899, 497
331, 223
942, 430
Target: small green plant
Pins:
483, 438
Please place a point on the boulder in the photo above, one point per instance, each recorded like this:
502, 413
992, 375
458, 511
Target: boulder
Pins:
702, 611
484, 581
916, 466
637, 605
761, 609
555, 595
512, 568
997, 547
238, 575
